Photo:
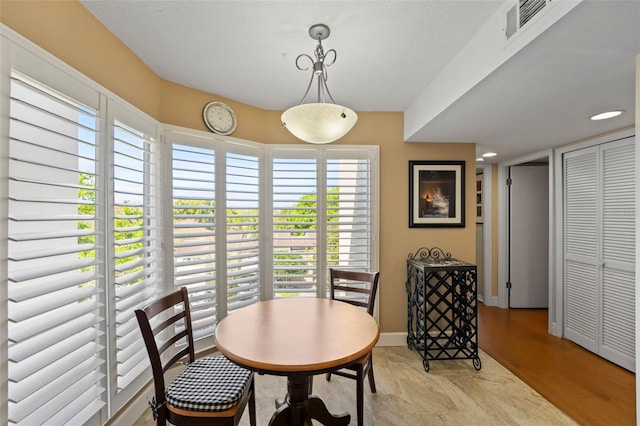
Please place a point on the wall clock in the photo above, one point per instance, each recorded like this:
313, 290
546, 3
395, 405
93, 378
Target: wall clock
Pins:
219, 118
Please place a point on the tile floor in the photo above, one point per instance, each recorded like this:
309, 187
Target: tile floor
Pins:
452, 393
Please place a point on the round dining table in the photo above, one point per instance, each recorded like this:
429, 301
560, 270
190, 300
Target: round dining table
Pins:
298, 338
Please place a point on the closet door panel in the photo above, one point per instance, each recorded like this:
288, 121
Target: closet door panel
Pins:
581, 252
618, 253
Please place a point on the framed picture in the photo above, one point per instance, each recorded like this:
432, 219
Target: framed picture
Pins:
436, 194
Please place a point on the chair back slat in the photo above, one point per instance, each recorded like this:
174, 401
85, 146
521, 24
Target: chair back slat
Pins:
355, 302
174, 359
350, 286
169, 321
170, 343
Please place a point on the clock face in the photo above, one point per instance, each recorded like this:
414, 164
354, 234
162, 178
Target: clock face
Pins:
219, 118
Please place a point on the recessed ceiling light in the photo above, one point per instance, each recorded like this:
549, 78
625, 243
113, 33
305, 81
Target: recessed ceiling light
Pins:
607, 114
479, 159
489, 154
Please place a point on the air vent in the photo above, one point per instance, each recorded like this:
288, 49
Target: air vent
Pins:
529, 8
521, 13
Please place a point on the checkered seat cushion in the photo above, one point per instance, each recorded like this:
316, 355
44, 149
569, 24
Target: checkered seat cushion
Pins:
208, 384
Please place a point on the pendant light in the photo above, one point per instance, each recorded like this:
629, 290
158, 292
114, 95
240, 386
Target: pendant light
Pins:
321, 122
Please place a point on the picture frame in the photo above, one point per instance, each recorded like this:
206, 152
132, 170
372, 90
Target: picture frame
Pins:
436, 194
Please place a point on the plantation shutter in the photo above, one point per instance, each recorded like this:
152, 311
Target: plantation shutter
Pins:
243, 230
349, 206
295, 223
350, 225
195, 230
135, 218
55, 297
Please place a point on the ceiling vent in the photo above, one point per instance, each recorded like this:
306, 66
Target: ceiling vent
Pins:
521, 13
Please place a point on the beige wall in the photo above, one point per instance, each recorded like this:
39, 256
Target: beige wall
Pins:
68, 31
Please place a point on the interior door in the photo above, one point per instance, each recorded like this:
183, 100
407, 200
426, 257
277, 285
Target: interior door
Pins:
529, 236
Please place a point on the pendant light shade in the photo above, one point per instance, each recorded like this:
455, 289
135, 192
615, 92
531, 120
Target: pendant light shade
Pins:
320, 122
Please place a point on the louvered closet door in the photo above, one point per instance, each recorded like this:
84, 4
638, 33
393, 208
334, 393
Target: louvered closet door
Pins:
599, 270
581, 253
618, 253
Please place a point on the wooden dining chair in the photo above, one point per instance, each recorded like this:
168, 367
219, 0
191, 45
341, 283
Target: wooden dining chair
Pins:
210, 390
359, 289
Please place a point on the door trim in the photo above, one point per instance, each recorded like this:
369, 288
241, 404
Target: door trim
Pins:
503, 234
487, 233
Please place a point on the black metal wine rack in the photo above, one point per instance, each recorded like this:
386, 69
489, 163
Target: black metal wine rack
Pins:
442, 320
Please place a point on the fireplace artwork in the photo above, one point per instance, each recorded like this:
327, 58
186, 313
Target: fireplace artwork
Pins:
436, 193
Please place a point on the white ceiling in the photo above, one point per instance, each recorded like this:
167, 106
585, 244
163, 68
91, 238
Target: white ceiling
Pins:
437, 61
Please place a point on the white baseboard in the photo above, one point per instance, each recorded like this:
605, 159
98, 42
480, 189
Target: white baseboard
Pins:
392, 339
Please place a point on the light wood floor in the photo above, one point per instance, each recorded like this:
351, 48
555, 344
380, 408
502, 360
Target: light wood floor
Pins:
590, 389
587, 388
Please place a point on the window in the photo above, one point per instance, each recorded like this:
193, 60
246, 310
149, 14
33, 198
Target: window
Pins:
102, 214
320, 212
323, 216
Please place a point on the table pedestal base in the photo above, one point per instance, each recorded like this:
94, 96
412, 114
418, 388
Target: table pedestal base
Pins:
299, 408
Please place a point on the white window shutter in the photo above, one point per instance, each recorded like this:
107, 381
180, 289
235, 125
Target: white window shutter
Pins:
349, 208
134, 225
295, 224
195, 230
55, 307
243, 236
349, 213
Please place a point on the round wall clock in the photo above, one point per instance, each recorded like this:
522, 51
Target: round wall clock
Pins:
219, 118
